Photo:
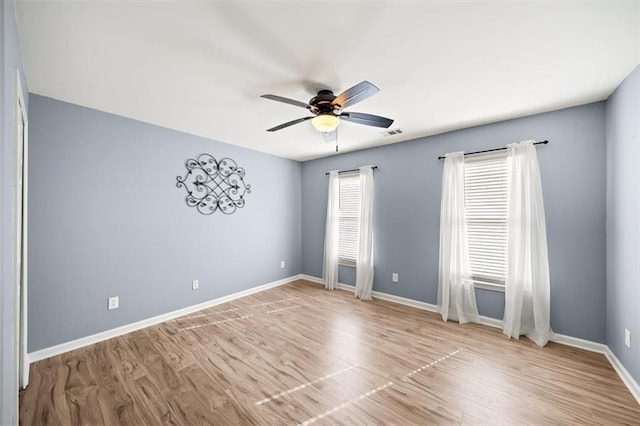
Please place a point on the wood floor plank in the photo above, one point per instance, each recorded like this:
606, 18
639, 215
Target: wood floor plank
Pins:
153, 403
81, 389
158, 368
221, 406
165, 379
173, 354
116, 404
299, 354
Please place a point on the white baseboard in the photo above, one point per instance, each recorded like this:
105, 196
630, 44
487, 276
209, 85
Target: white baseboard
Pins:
41, 354
395, 299
379, 295
562, 339
492, 322
115, 332
312, 279
629, 381
575, 342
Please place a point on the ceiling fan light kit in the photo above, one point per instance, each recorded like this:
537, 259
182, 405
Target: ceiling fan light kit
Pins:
325, 122
327, 109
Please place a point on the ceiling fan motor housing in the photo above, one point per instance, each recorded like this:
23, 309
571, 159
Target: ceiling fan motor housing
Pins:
322, 103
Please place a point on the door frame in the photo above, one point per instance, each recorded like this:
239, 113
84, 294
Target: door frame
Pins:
20, 164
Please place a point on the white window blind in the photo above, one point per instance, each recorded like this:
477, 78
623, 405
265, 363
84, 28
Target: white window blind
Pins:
486, 217
349, 217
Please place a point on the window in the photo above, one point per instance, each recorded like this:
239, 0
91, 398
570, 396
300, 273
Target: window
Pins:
348, 219
486, 205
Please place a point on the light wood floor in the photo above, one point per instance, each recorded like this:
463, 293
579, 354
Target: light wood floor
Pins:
299, 354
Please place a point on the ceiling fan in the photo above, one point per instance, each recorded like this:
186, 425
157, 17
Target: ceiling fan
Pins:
327, 110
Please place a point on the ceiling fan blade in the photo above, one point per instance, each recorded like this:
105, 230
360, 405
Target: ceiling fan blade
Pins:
366, 119
286, 100
330, 136
288, 123
357, 93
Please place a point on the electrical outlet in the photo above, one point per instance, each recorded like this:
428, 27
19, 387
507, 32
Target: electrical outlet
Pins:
627, 337
114, 303
195, 284
282, 263
394, 277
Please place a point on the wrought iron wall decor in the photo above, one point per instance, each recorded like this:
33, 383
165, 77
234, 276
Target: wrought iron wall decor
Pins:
214, 185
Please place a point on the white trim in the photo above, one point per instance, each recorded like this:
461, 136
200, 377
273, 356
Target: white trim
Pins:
20, 113
395, 299
575, 342
491, 322
115, 332
626, 378
488, 321
311, 278
561, 339
378, 295
631, 384
25, 241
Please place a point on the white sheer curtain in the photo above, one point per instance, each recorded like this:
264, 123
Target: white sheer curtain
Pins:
330, 261
456, 295
364, 263
527, 287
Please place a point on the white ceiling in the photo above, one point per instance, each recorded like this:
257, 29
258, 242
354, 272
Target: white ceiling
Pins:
200, 66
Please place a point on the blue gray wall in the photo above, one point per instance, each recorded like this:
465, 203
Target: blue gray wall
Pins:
11, 60
623, 222
407, 212
106, 219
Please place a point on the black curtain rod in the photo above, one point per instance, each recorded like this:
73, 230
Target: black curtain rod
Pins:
352, 170
495, 149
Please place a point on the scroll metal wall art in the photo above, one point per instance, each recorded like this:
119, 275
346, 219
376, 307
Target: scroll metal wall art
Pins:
214, 185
